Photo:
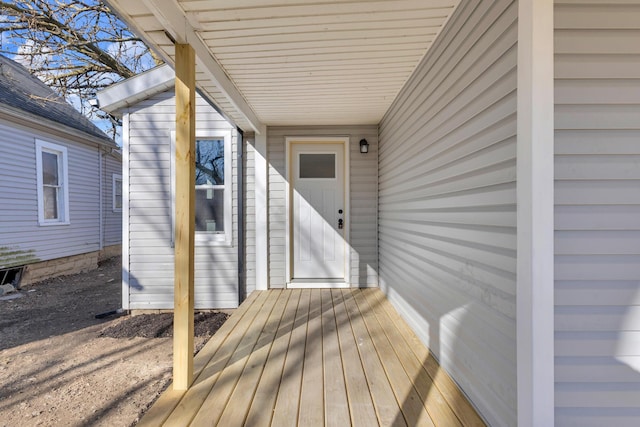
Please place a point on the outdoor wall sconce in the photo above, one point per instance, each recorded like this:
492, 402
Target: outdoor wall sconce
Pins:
364, 146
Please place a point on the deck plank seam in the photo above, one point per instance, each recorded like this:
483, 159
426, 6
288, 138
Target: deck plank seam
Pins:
166, 410
381, 343
301, 319
338, 294
441, 376
257, 320
406, 357
355, 318
289, 316
267, 338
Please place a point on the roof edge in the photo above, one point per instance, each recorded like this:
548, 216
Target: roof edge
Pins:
135, 89
35, 121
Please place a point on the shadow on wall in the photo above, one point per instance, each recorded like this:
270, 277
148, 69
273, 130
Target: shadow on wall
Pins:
450, 333
626, 351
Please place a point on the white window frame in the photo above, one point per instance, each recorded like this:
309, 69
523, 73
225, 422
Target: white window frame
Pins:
203, 238
115, 178
63, 195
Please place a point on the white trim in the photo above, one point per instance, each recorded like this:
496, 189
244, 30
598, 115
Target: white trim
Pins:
261, 171
135, 89
201, 238
125, 208
345, 141
535, 171
317, 285
63, 167
101, 196
114, 178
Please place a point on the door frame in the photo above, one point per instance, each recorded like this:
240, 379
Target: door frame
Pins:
289, 141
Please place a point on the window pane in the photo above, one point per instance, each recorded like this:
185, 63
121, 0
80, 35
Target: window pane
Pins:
210, 210
317, 165
50, 202
209, 161
49, 168
118, 194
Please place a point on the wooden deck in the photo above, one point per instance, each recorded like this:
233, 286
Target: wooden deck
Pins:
311, 358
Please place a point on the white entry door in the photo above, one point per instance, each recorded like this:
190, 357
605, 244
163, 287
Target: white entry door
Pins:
317, 202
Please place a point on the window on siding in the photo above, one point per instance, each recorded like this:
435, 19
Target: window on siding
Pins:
117, 193
53, 184
212, 187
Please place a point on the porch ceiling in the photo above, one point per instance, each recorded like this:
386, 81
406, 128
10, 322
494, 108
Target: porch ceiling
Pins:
295, 62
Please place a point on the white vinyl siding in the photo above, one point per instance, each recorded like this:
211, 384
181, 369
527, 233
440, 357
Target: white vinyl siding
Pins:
597, 213
112, 217
150, 257
363, 200
447, 203
19, 227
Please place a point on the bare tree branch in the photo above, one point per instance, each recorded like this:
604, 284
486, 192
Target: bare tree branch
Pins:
75, 46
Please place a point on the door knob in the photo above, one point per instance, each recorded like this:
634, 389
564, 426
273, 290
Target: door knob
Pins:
340, 224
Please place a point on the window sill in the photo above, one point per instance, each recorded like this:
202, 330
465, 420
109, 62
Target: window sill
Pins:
50, 224
212, 240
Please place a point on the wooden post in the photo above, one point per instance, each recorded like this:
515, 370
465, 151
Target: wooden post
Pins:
185, 218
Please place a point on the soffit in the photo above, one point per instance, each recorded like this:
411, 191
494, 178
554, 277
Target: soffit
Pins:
297, 62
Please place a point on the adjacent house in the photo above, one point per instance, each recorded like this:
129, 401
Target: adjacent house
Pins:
476, 160
60, 183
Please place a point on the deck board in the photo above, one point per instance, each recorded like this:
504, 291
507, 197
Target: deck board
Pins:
264, 400
315, 357
312, 393
410, 403
435, 404
288, 399
194, 398
240, 400
360, 403
450, 391
336, 405
387, 408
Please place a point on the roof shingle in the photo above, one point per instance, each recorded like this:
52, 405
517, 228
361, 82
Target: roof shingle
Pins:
21, 90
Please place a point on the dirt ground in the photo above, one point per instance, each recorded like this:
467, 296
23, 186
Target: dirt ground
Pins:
60, 366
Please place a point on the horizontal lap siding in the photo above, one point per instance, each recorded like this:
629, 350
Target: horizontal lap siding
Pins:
150, 252
447, 198
597, 213
363, 198
112, 219
19, 228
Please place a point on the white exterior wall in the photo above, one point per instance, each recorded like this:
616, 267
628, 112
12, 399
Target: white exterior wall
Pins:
597, 213
19, 228
447, 204
250, 215
363, 200
150, 253
112, 219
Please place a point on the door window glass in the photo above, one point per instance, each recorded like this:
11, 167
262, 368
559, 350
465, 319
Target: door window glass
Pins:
317, 165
